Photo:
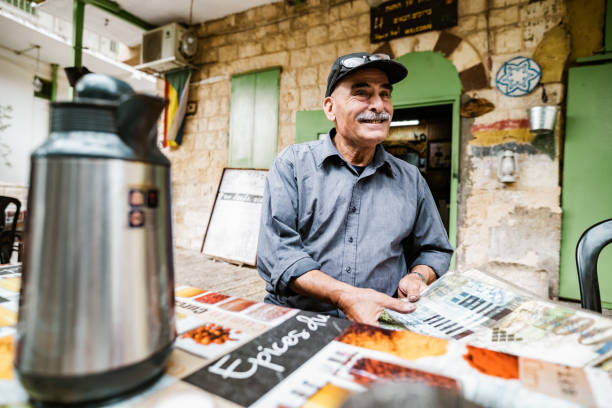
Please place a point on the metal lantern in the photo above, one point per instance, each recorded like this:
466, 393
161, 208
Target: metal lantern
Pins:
507, 169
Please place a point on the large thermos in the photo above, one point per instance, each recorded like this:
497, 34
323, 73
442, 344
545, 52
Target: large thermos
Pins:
96, 316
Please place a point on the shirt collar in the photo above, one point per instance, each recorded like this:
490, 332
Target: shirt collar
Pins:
327, 149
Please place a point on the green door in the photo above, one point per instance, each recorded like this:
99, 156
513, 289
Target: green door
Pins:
254, 119
587, 172
310, 124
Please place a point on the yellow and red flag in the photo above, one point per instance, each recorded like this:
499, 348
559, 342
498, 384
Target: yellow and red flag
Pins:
177, 93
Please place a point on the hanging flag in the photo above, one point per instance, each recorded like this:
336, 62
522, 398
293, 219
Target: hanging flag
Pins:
177, 93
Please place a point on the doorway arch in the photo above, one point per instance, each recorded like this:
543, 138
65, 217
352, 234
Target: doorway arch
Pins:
432, 81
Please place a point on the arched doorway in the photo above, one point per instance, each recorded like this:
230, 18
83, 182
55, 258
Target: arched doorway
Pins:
431, 94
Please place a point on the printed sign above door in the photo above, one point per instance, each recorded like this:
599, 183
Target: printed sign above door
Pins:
401, 18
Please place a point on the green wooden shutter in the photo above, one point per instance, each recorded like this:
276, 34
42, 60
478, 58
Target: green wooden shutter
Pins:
254, 119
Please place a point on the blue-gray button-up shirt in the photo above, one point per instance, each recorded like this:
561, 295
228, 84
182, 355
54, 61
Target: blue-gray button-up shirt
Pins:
366, 230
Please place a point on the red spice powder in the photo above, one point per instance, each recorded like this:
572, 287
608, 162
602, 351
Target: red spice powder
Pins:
237, 305
211, 298
493, 363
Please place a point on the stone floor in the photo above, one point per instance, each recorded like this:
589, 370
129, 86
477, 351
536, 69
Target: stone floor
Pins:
194, 269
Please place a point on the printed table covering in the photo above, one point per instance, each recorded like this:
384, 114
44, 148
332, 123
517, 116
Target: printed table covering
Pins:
234, 352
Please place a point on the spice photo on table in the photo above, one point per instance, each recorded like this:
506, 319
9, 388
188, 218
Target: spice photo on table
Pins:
267, 313
404, 344
368, 371
493, 363
7, 354
237, 305
211, 298
210, 333
188, 292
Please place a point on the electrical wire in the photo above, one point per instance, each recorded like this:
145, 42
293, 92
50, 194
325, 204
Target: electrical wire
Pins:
190, 12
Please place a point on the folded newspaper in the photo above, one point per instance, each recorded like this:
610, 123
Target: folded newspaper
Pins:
484, 311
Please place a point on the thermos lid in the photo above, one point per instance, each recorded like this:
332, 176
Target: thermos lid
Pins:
107, 119
102, 89
97, 98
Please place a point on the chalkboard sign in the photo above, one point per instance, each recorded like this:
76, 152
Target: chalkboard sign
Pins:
401, 18
233, 228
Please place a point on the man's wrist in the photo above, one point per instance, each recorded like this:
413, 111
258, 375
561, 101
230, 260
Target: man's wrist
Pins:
340, 295
420, 275
323, 287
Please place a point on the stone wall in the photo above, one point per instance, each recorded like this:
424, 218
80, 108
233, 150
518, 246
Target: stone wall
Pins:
303, 40
512, 230
17, 191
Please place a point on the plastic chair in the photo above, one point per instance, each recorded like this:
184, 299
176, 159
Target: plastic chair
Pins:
7, 234
590, 244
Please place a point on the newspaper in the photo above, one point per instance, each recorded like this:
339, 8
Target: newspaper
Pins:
483, 311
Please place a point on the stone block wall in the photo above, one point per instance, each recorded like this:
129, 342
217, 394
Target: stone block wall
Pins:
18, 191
512, 230
303, 40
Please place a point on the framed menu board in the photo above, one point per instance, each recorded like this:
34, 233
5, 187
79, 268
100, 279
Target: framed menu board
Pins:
233, 228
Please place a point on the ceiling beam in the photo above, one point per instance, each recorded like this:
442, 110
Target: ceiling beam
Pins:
78, 20
113, 8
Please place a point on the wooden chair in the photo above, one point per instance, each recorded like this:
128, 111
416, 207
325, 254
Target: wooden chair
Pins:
590, 244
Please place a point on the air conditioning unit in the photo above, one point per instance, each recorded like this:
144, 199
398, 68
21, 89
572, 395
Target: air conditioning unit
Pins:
168, 47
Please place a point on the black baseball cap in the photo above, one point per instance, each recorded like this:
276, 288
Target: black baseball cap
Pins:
350, 63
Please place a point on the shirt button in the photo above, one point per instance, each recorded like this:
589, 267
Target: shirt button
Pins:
353, 209
350, 239
348, 269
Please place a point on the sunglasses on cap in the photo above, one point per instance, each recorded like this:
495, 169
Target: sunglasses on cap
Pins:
347, 64
352, 62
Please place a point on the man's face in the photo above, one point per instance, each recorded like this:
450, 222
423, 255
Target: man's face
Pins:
361, 107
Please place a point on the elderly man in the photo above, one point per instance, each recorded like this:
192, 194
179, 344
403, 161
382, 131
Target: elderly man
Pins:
347, 229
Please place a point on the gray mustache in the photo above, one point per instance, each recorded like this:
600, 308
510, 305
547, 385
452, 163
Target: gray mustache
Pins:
382, 116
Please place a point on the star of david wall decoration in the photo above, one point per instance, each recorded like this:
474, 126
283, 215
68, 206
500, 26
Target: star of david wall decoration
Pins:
518, 76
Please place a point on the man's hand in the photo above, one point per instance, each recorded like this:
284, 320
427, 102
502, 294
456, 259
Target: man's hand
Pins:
413, 284
366, 305
360, 305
